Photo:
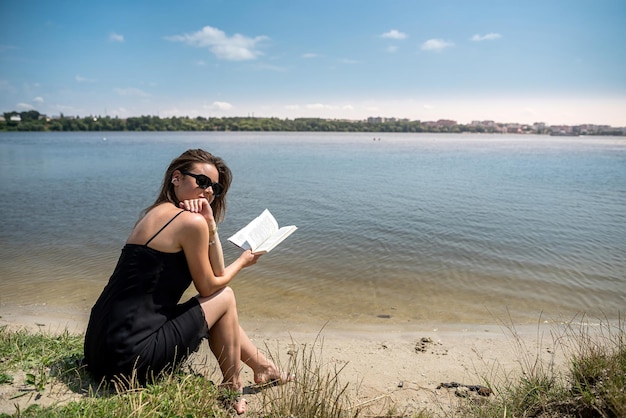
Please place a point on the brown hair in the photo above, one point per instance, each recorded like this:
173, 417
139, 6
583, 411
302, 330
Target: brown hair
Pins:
185, 162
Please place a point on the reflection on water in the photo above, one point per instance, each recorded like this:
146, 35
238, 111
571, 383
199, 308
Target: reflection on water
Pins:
424, 228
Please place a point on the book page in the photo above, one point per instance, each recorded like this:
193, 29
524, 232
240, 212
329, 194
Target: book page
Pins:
278, 237
256, 232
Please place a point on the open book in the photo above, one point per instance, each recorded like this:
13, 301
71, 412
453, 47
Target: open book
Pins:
262, 234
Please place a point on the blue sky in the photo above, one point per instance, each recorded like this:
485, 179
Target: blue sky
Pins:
552, 61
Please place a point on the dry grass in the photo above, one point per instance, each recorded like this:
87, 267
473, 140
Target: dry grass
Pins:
593, 384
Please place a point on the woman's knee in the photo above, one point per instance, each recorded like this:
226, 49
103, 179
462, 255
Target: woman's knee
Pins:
224, 297
218, 305
228, 293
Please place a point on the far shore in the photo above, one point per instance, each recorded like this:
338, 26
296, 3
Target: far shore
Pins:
382, 364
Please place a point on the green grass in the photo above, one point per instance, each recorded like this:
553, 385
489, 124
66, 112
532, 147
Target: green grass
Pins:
593, 384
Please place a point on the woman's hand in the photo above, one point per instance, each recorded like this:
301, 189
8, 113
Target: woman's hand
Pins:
201, 206
248, 258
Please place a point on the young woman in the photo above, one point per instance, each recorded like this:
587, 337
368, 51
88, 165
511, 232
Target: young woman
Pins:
137, 324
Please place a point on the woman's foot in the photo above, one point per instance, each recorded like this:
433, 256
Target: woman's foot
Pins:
239, 404
271, 376
233, 399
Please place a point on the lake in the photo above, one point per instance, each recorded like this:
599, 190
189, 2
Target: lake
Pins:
409, 230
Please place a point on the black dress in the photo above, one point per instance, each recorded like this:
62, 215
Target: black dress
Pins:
137, 321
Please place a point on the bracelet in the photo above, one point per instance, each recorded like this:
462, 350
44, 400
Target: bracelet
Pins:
213, 231
211, 243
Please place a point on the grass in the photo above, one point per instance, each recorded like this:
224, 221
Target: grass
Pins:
593, 385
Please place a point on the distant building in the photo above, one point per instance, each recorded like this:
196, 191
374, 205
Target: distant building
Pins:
445, 123
377, 119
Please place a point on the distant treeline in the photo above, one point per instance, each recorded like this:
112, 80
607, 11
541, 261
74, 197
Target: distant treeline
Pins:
34, 121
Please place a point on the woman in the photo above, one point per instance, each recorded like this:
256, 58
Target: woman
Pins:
137, 323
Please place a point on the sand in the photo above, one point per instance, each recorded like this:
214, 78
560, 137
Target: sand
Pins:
383, 365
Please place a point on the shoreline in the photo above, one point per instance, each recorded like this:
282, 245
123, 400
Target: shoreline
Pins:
383, 365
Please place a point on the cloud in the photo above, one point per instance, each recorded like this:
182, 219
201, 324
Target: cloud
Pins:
487, 37
320, 106
436, 45
310, 55
26, 106
394, 34
131, 91
233, 48
80, 79
392, 49
116, 37
221, 106
38, 99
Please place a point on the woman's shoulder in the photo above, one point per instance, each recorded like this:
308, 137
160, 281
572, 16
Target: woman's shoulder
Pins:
166, 219
160, 213
184, 218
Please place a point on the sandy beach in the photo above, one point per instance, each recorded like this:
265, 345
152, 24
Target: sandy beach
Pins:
382, 365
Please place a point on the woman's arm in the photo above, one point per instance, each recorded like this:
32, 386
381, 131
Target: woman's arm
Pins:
194, 239
216, 255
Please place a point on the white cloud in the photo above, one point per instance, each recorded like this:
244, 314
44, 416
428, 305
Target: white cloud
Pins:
130, 91
26, 106
80, 79
116, 37
318, 106
436, 45
223, 105
394, 34
233, 48
38, 99
487, 37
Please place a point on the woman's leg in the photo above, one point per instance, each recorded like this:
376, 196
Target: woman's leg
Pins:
220, 313
265, 371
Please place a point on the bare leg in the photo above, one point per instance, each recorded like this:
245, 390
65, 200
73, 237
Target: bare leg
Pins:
264, 369
220, 313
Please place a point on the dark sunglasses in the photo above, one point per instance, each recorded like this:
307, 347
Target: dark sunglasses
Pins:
204, 183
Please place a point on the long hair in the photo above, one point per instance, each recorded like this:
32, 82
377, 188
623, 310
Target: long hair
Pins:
185, 162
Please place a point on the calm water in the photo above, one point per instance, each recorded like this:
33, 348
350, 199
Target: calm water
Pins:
411, 229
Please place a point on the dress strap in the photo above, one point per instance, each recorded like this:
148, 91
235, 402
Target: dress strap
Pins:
164, 226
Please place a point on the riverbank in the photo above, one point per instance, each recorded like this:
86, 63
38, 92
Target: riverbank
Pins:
382, 365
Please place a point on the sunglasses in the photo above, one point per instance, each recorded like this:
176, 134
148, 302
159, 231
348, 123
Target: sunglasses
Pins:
204, 183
